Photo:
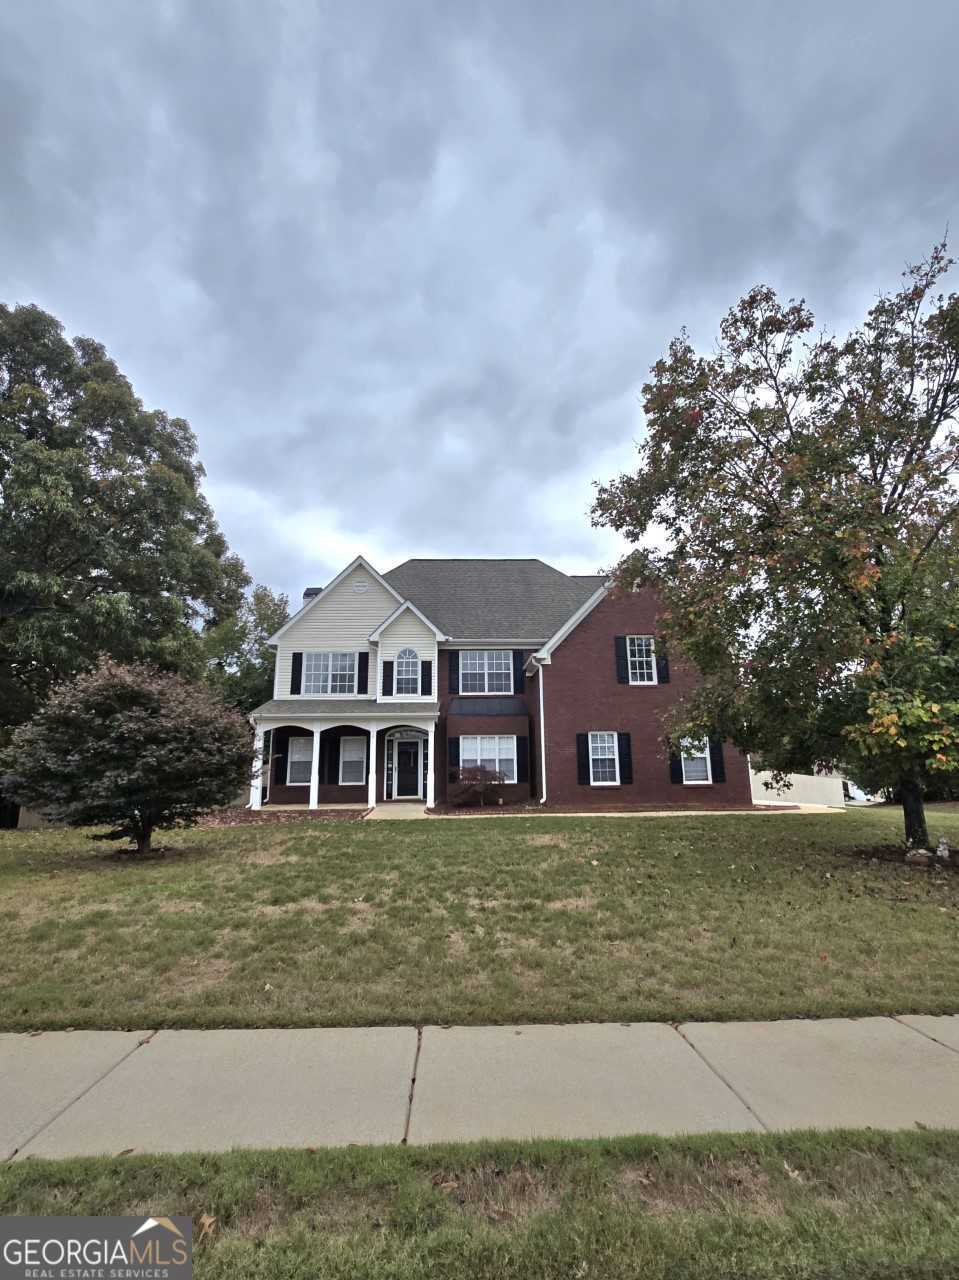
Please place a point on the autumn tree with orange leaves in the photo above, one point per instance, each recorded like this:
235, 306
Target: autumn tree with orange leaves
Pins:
796, 504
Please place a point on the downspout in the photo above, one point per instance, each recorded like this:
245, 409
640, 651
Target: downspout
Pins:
542, 735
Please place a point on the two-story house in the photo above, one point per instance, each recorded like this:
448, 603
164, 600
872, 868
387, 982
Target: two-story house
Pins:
387, 684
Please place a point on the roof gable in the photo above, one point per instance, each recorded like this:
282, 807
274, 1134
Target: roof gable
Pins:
323, 597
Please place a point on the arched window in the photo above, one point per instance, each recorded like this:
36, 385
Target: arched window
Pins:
407, 673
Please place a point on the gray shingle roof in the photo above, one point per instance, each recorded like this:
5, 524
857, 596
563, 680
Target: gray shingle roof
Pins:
347, 710
492, 599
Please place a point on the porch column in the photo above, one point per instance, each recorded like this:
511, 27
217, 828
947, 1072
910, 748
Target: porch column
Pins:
315, 769
430, 766
371, 789
256, 785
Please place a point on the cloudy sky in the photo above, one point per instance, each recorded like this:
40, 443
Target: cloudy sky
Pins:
404, 264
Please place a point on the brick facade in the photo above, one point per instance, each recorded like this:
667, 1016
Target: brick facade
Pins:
582, 695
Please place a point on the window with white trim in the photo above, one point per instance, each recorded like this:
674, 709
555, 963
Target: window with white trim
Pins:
603, 760
641, 653
407, 673
489, 751
299, 761
486, 671
329, 673
697, 769
352, 761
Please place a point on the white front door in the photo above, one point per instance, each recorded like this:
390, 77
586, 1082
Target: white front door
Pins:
408, 770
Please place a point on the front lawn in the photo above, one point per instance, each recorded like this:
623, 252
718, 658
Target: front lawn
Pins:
771, 1207
478, 921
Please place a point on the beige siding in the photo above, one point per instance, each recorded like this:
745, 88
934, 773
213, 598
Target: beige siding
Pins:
341, 620
806, 788
408, 631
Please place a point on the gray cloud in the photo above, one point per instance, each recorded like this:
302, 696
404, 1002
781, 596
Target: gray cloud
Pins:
404, 267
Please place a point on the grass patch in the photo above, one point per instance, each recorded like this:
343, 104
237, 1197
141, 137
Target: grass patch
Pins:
479, 921
792, 1205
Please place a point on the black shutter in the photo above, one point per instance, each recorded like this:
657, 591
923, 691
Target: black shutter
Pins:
454, 671
453, 757
387, 679
519, 679
522, 759
717, 764
363, 673
622, 665
296, 673
582, 759
625, 757
662, 663
675, 764
426, 679
332, 758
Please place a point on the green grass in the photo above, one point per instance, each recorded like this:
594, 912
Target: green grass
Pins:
796, 1206
478, 921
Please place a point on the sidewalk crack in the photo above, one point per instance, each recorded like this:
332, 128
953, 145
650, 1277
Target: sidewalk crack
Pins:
82, 1094
719, 1076
895, 1017
409, 1100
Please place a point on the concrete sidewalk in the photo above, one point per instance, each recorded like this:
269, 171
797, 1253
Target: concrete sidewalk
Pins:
90, 1092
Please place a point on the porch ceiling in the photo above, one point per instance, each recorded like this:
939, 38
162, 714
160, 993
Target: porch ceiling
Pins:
345, 710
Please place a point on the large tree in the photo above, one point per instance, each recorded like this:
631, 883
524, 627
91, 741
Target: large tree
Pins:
130, 746
107, 544
240, 662
796, 505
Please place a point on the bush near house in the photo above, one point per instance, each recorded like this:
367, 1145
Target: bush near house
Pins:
129, 746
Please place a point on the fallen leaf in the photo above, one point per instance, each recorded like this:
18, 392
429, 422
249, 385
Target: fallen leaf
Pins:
207, 1225
793, 1173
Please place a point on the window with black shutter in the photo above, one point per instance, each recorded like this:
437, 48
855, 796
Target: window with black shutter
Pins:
519, 678
454, 672
426, 679
362, 673
296, 673
622, 664
387, 679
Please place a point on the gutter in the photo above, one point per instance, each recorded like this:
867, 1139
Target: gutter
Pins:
542, 733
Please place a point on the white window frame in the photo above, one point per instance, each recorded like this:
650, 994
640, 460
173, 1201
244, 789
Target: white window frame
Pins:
330, 654
604, 782
651, 655
685, 751
298, 737
498, 737
360, 782
396, 673
486, 691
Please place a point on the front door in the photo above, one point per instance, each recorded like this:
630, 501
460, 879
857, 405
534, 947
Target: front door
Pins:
407, 770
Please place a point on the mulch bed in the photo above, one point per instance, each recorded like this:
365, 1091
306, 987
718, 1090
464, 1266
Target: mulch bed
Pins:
897, 853
238, 817
559, 809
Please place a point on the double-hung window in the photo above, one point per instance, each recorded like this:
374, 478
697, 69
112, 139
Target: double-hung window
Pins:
329, 673
299, 761
641, 655
407, 679
489, 751
603, 760
352, 761
696, 764
486, 671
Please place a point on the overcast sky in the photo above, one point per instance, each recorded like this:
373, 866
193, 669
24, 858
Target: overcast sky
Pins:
404, 266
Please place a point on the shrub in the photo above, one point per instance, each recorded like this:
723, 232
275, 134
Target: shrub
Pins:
129, 746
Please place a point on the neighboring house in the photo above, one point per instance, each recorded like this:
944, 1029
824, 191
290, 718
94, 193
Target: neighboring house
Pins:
387, 684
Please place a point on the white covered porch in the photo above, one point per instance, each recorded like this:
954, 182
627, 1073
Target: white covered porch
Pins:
396, 764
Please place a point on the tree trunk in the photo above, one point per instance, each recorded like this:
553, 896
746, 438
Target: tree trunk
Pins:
914, 815
144, 837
